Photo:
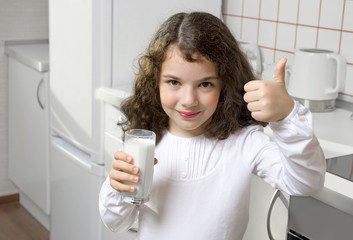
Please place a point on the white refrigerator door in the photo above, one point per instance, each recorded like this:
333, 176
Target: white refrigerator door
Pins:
75, 185
134, 23
75, 113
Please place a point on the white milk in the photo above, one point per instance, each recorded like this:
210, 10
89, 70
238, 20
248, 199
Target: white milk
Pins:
142, 151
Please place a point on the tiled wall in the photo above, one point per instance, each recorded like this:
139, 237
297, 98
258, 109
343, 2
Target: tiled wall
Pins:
281, 26
19, 19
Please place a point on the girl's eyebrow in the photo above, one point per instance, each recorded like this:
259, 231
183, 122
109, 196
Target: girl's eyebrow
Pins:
202, 79
170, 76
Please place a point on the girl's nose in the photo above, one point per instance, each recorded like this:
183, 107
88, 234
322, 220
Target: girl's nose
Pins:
189, 97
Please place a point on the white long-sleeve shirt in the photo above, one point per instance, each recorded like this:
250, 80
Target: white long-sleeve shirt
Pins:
201, 186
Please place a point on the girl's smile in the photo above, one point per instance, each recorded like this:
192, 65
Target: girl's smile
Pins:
189, 92
188, 114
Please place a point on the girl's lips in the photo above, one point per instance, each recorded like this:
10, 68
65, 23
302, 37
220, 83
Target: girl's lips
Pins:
188, 114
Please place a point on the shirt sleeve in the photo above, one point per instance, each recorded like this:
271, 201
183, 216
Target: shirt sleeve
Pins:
293, 161
116, 214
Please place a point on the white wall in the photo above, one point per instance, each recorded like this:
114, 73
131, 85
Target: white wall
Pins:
281, 26
19, 19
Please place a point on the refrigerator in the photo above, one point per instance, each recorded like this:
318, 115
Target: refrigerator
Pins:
93, 44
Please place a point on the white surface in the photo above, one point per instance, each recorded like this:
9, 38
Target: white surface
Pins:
75, 71
34, 210
112, 96
74, 194
260, 199
317, 75
34, 55
335, 126
28, 133
79, 49
134, 25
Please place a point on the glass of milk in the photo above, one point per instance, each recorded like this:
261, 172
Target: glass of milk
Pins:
140, 144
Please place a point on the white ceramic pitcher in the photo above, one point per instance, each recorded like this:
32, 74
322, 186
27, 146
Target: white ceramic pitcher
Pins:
317, 75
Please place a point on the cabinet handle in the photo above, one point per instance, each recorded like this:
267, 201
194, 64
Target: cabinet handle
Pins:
276, 195
38, 98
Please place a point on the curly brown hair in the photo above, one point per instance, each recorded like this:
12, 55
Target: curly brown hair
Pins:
196, 33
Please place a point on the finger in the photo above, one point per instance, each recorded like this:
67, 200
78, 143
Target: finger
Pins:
279, 75
120, 165
121, 187
254, 106
251, 96
119, 155
123, 177
252, 85
261, 116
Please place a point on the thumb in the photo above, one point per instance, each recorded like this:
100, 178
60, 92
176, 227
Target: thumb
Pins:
279, 75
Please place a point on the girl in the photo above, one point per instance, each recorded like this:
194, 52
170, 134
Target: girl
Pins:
195, 90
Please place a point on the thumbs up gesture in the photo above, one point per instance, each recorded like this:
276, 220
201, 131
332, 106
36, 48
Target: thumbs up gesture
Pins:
269, 101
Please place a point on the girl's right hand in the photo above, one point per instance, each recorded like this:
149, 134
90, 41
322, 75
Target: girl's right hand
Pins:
123, 171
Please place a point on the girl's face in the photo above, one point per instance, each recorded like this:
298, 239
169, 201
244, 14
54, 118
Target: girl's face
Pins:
189, 93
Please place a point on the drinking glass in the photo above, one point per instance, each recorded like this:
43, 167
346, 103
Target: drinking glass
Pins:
140, 144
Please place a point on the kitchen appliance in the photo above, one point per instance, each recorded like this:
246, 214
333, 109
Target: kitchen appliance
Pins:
316, 77
310, 218
88, 52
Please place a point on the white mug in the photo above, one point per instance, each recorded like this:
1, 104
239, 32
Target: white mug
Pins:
316, 74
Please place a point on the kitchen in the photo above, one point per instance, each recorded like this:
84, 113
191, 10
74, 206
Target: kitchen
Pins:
278, 27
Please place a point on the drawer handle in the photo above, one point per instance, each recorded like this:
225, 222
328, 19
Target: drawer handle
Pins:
38, 98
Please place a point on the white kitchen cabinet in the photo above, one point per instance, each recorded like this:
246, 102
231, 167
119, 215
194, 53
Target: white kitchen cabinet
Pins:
28, 126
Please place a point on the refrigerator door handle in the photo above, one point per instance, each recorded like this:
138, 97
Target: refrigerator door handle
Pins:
79, 157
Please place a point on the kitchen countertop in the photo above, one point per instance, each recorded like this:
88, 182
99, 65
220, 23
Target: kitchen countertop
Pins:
33, 53
334, 131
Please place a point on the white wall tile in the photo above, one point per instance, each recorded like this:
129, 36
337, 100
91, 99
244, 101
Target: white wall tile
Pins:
267, 34
306, 37
251, 26
328, 39
285, 37
347, 47
288, 11
234, 7
251, 8
331, 14
267, 55
348, 16
309, 12
234, 25
269, 9
307, 31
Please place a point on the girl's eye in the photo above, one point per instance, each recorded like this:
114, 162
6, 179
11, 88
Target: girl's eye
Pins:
173, 82
206, 84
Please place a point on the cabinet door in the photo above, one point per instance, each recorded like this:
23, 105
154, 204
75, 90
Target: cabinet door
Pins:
28, 132
260, 200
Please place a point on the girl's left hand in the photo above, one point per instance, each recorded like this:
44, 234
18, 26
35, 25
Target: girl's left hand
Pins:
269, 101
